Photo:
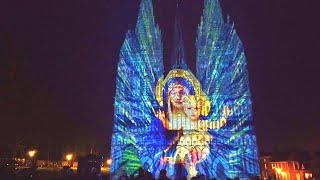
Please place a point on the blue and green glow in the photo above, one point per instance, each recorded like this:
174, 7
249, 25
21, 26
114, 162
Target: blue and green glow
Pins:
141, 139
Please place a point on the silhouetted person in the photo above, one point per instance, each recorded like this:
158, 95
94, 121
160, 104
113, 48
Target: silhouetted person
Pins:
141, 174
202, 177
178, 167
163, 175
236, 178
95, 174
124, 175
149, 176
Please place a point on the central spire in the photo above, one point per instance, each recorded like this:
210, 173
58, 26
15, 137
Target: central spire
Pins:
178, 52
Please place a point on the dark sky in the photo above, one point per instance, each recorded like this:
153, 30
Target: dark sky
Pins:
58, 62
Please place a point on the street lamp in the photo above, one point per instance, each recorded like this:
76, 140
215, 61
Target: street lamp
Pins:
32, 154
109, 161
69, 158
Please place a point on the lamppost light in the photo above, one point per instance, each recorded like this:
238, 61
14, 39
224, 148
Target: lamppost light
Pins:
32, 153
69, 157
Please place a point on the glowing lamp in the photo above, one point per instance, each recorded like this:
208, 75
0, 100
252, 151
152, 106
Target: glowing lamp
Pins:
31, 153
69, 157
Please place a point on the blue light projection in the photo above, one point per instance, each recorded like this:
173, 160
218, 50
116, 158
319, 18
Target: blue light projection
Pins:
186, 124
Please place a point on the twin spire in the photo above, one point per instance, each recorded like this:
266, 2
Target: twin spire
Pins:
178, 52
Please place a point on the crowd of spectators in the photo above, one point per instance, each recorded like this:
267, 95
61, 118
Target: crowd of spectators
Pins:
146, 175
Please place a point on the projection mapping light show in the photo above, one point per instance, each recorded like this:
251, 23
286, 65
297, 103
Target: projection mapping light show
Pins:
184, 123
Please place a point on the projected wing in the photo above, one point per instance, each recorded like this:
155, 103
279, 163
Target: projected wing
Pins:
139, 69
222, 72
221, 63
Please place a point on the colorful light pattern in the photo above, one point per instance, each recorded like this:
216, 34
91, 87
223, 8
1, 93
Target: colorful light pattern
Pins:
186, 124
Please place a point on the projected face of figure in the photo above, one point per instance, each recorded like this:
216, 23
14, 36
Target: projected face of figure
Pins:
190, 108
177, 95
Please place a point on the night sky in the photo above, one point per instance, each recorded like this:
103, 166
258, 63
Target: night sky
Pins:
58, 66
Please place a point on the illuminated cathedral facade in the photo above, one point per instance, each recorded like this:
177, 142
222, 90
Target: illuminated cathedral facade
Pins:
188, 124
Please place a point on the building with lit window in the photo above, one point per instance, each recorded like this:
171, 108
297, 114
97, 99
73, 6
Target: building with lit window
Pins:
287, 169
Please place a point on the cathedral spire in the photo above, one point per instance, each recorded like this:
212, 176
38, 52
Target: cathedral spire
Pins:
178, 53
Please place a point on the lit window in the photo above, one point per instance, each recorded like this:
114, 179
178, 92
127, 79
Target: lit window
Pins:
265, 166
297, 176
306, 175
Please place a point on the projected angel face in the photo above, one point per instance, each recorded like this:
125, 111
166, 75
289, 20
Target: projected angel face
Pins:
177, 94
182, 101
